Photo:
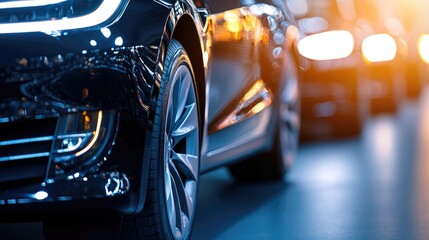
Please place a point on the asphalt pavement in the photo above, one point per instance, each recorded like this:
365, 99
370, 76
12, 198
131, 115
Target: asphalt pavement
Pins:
375, 186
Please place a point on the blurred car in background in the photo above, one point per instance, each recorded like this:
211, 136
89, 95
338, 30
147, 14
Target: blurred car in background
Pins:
332, 101
384, 49
351, 67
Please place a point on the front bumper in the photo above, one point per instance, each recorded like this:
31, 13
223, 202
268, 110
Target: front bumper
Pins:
49, 88
105, 170
98, 185
63, 192
49, 76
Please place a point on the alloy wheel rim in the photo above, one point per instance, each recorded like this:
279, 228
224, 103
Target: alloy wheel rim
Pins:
289, 114
181, 151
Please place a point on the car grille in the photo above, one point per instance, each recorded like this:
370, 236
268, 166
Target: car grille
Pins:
24, 150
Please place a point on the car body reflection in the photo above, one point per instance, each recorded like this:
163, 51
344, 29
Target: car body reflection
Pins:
102, 102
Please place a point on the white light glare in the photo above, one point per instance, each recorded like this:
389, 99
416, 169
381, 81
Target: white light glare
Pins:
28, 3
106, 10
379, 48
328, 45
41, 195
423, 45
106, 32
93, 43
119, 41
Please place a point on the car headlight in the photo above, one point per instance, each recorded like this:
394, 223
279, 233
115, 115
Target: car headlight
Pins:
423, 46
328, 45
21, 16
81, 138
379, 48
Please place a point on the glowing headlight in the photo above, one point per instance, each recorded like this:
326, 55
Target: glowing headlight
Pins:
57, 15
28, 3
80, 137
424, 47
379, 48
327, 45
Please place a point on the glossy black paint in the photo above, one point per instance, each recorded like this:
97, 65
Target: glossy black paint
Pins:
44, 76
49, 76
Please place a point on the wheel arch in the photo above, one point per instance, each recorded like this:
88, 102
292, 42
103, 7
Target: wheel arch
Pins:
187, 34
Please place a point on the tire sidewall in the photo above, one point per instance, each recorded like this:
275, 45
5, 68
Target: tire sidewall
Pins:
173, 62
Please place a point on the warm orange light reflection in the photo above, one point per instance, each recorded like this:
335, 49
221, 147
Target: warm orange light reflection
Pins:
237, 25
258, 95
257, 87
259, 107
379, 48
232, 22
95, 136
423, 46
327, 45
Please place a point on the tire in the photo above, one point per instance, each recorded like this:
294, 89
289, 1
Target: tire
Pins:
274, 163
174, 167
175, 159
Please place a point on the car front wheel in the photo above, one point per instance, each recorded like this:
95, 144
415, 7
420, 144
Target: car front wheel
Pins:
175, 158
172, 183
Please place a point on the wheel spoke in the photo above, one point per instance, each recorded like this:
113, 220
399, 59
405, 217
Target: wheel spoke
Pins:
184, 86
181, 92
176, 210
290, 94
186, 202
291, 118
186, 124
187, 164
171, 205
181, 151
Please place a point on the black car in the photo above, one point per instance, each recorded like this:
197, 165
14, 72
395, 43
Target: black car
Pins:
111, 109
